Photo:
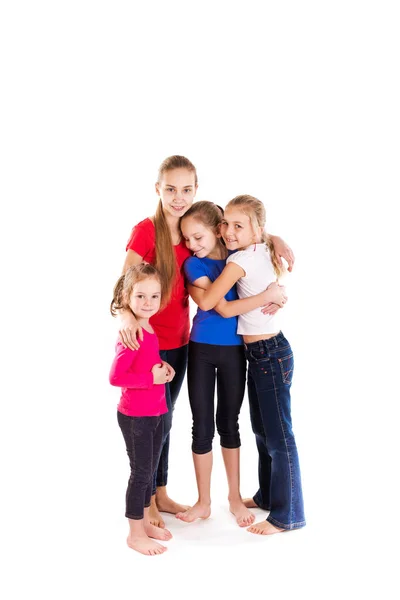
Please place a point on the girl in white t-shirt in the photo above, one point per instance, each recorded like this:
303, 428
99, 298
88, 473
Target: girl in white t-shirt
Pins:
254, 266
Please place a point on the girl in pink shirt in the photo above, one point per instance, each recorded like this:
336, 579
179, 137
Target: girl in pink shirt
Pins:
142, 375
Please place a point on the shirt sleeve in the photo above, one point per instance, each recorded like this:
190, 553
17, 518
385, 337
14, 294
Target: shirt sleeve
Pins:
142, 238
238, 258
121, 374
194, 269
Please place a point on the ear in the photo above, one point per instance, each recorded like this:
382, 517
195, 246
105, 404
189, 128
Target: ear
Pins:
158, 189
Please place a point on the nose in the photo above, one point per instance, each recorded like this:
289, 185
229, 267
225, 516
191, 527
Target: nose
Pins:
178, 195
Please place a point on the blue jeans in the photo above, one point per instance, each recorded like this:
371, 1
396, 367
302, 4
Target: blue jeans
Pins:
142, 437
270, 371
177, 358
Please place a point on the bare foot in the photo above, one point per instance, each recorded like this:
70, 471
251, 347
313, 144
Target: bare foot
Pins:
198, 511
249, 503
264, 528
145, 545
165, 504
157, 532
154, 516
243, 516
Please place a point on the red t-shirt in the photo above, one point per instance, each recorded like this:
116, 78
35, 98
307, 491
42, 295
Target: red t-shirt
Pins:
172, 323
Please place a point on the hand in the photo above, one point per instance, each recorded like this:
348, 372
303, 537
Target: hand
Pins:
160, 373
130, 331
282, 250
278, 295
270, 309
170, 371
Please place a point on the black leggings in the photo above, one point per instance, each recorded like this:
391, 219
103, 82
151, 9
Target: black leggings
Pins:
229, 363
142, 437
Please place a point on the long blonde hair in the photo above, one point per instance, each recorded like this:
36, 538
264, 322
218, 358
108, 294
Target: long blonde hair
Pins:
125, 284
255, 210
165, 254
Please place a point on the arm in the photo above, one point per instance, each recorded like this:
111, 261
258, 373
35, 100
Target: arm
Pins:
130, 328
214, 292
209, 291
282, 250
225, 308
122, 376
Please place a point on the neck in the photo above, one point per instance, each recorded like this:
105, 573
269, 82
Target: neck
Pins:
145, 323
173, 223
218, 253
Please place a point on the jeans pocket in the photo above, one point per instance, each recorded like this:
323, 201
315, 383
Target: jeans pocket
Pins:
257, 356
286, 364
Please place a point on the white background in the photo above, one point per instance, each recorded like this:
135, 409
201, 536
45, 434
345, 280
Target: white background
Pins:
296, 103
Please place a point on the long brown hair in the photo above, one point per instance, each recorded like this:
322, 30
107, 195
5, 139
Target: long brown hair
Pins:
124, 286
165, 254
255, 210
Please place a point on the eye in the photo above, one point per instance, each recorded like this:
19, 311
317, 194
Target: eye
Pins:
224, 223
198, 238
238, 226
169, 189
187, 190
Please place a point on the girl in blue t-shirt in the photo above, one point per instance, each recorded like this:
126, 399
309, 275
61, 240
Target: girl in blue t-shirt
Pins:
216, 353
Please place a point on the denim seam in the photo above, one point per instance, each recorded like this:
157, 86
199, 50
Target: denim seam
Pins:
286, 527
285, 379
287, 450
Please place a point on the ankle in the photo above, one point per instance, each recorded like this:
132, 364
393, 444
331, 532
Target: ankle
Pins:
204, 501
234, 498
161, 492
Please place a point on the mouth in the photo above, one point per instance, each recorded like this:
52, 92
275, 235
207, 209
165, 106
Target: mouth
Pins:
177, 208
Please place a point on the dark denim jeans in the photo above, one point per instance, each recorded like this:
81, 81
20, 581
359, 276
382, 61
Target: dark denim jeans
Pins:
177, 358
270, 371
142, 437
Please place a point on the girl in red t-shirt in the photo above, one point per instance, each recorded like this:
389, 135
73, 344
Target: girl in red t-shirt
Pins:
158, 240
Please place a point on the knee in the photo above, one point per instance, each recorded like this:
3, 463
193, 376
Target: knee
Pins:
202, 435
228, 430
281, 444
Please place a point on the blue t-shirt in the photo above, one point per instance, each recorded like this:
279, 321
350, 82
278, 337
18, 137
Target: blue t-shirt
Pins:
208, 326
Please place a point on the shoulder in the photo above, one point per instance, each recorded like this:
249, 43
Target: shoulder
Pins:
194, 266
145, 226
192, 261
237, 257
123, 351
142, 232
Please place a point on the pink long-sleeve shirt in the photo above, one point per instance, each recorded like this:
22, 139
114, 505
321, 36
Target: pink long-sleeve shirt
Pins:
131, 371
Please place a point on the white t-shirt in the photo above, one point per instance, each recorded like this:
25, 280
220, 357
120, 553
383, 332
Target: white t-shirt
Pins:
259, 273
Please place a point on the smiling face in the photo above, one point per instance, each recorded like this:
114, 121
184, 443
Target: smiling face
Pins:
177, 189
201, 240
145, 298
237, 230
